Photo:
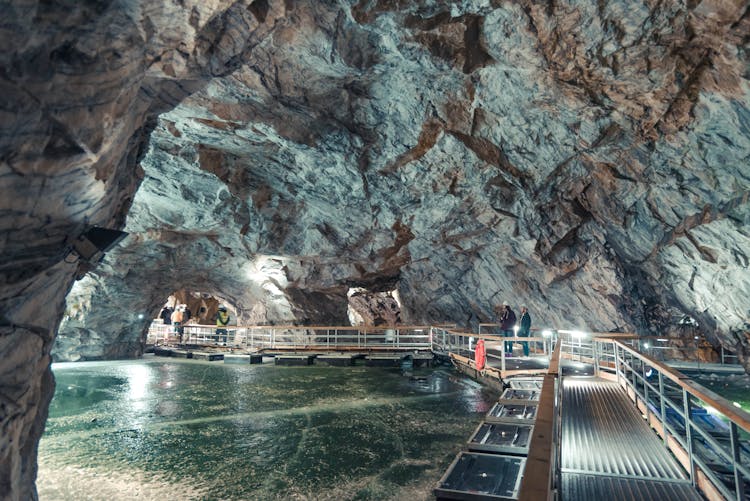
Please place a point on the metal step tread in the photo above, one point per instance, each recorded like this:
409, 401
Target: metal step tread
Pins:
582, 486
604, 433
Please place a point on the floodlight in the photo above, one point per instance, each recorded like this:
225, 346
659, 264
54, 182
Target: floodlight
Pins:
92, 244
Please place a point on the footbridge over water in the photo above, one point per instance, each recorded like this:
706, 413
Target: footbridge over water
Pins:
584, 416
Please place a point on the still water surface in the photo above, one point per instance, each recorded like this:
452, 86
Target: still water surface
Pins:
169, 429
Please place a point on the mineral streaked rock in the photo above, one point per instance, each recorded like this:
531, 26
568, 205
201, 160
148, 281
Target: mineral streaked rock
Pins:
588, 160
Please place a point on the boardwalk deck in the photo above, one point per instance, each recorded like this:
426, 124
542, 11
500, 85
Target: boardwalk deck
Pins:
609, 452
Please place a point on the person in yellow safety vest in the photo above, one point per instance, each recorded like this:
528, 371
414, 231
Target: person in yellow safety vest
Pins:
222, 319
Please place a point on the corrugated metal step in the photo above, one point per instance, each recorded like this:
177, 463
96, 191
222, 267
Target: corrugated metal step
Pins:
608, 450
580, 487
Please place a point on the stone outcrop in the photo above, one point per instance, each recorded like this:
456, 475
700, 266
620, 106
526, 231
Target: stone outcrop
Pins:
586, 159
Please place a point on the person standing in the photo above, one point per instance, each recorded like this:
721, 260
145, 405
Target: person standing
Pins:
166, 315
177, 321
222, 320
525, 329
507, 322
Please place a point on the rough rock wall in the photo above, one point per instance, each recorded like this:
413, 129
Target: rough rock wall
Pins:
587, 159
81, 85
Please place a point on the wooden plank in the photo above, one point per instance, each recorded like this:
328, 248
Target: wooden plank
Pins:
707, 487
537, 477
523, 372
554, 361
539, 472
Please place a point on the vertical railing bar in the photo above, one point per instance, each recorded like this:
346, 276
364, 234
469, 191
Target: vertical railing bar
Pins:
688, 434
739, 481
594, 353
502, 363
663, 410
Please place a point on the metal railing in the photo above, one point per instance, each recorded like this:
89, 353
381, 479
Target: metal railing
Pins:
291, 337
660, 348
445, 341
705, 432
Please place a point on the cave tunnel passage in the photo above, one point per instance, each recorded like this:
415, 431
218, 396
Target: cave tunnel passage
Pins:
367, 307
200, 307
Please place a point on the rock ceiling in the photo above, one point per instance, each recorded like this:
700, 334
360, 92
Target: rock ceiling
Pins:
588, 159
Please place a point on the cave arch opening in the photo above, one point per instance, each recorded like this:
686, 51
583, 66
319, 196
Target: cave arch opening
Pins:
201, 307
374, 307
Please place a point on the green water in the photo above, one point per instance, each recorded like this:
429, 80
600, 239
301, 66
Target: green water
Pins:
733, 387
166, 429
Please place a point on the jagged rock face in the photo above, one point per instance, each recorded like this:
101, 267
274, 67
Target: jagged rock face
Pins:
374, 308
588, 162
586, 159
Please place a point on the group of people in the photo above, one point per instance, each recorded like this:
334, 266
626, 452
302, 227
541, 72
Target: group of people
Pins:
176, 317
181, 315
507, 320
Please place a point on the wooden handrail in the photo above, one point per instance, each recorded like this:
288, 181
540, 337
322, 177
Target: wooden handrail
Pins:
539, 471
554, 361
360, 328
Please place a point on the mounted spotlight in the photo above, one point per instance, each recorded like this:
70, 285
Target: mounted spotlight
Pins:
92, 244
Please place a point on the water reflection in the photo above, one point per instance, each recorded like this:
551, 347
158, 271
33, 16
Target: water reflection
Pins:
256, 432
139, 379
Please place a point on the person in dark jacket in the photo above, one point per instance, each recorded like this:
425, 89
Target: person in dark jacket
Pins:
525, 329
166, 316
507, 322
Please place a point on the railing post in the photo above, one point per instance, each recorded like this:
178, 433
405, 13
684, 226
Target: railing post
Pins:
595, 354
688, 434
617, 362
502, 363
722, 354
739, 482
663, 410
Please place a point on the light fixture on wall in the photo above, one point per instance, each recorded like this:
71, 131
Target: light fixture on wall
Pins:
94, 242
